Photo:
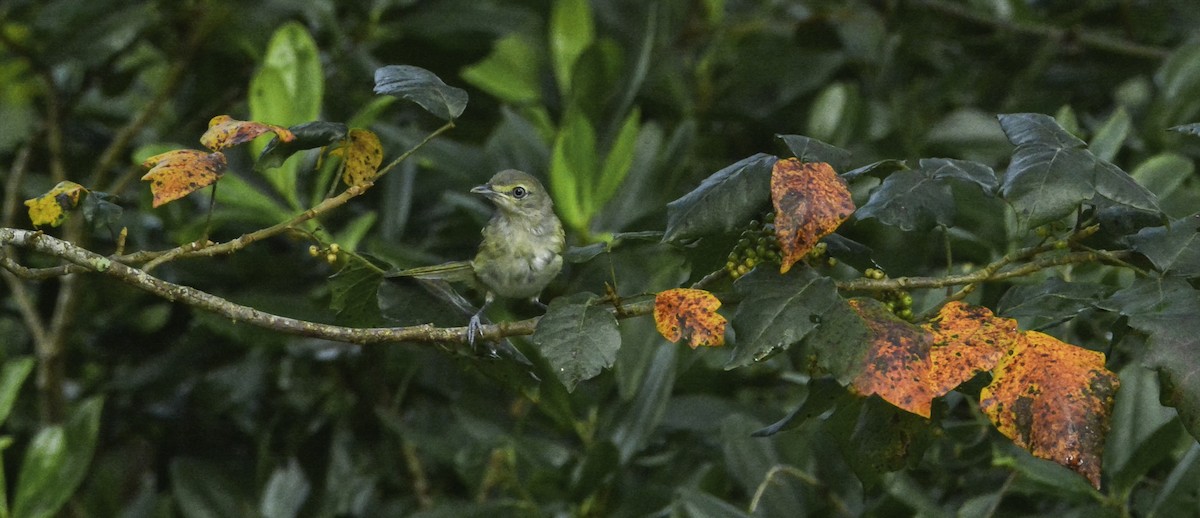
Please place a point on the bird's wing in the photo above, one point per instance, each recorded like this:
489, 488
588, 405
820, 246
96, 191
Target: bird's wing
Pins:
455, 271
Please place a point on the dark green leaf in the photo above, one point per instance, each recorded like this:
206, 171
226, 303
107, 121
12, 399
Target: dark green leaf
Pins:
964, 170
309, 135
880, 169
849, 251
693, 503
56, 462
286, 491
12, 376
577, 338
600, 463
749, 459
877, 437
1050, 301
778, 311
1052, 174
1174, 250
354, 291
1179, 489
639, 419
809, 149
1049, 176
910, 200
1165, 309
724, 201
1188, 129
100, 210
204, 490
1142, 432
422, 87
823, 394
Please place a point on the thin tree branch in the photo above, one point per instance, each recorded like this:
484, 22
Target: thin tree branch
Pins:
156, 259
1092, 39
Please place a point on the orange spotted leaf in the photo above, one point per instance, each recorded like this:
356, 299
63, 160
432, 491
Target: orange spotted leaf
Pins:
689, 314
225, 132
51, 208
967, 340
363, 153
811, 201
1055, 400
178, 173
896, 363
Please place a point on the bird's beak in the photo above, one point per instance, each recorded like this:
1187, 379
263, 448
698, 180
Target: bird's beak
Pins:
484, 189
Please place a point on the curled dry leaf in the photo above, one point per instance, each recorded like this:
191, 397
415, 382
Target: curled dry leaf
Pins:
225, 132
810, 201
178, 173
690, 314
51, 208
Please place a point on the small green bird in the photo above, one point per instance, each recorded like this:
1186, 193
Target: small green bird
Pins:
521, 250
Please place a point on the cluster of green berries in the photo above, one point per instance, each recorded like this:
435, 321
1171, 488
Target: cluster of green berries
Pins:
899, 302
331, 252
755, 246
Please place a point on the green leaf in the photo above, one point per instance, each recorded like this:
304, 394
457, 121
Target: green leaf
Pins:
1049, 302
823, 393
962, 170
510, 72
880, 169
1052, 174
724, 201
749, 459
1174, 250
638, 420
577, 338
809, 149
354, 292
1111, 135
1165, 309
1142, 432
619, 159
573, 164
693, 503
422, 87
910, 200
779, 310
12, 376
571, 32
204, 490
287, 90
309, 135
1179, 489
286, 491
1164, 173
101, 211
56, 462
877, 437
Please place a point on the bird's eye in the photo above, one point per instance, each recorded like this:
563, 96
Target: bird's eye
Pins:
519, 192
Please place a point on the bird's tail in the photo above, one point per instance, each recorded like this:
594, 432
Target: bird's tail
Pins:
454, 271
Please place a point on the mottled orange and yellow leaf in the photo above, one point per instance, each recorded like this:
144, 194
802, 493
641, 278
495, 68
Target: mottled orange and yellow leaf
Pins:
178, 173
810, 201
690, 314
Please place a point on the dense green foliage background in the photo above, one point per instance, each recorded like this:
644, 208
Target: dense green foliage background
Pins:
206, 417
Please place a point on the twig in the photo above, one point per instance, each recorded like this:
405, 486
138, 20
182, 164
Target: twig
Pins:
1095, 40
142, 280
204, 250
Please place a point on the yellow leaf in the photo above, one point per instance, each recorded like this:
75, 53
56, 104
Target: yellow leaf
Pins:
691, 314
50, 208
810, 201
178, 173
225, 132
363, 153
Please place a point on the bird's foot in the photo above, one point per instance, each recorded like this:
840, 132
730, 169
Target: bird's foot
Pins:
537, 301
474, 329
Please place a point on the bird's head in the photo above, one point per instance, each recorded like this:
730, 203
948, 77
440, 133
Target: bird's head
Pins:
516, 193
